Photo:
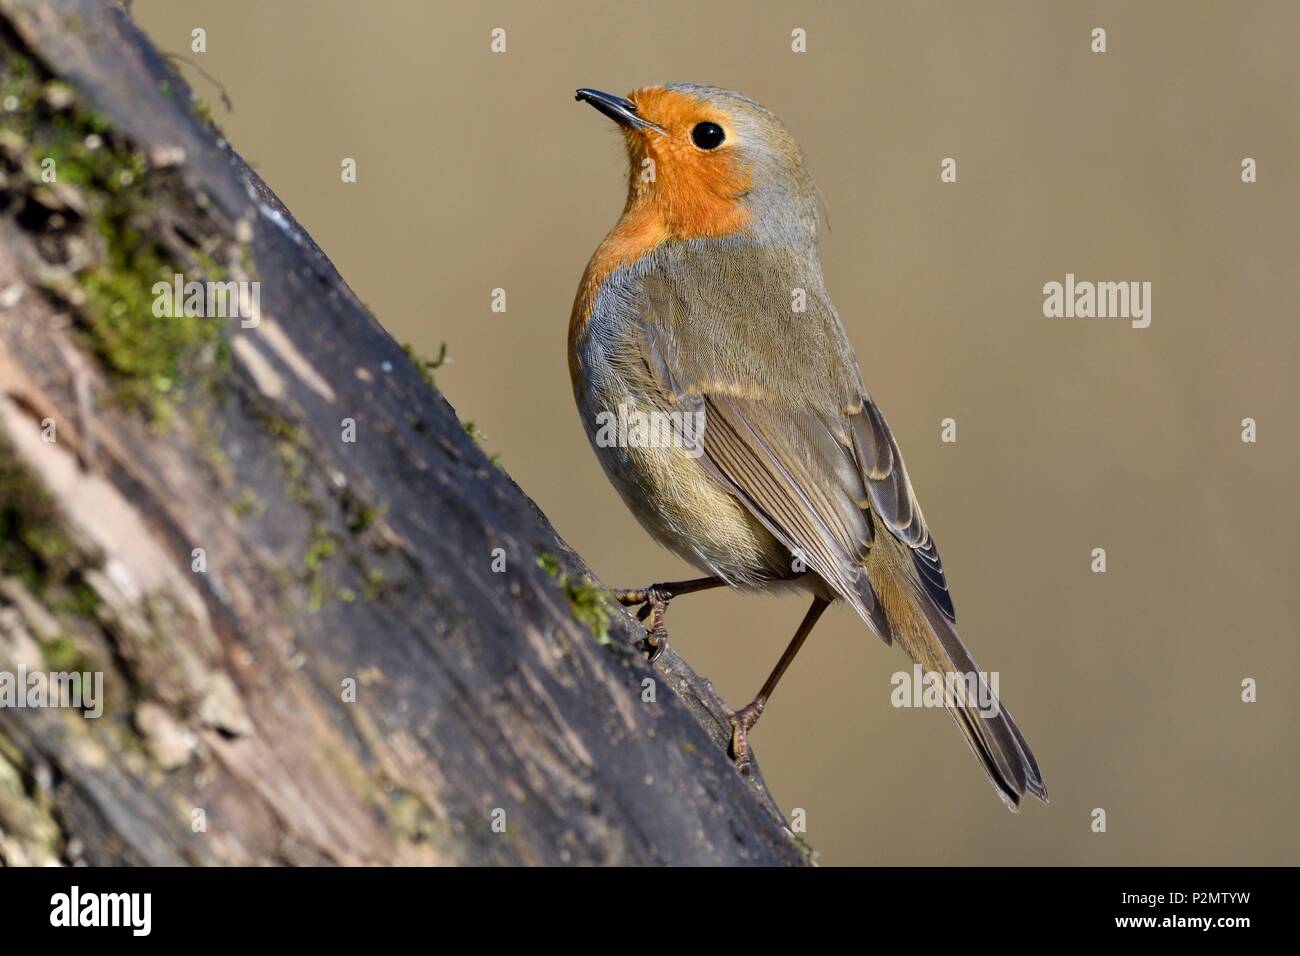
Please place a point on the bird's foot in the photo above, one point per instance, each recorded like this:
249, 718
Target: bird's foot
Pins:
654, 605
742, 722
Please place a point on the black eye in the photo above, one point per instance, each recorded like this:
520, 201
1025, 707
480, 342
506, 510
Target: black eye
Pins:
707, 135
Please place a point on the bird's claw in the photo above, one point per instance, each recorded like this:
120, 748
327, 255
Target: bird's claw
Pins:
656, 646
654, 605
742, 721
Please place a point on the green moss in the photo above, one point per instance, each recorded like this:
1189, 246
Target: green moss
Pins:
358, 516
248, 504
378, 586
476, 433
586, 601
291, 449
204, 112
326, 542
321, 548
206, 432
210, 267
588, 605
33, 546
76, 598
64, 654
19, 83
426, 367
147, 357
412, 820
809, 853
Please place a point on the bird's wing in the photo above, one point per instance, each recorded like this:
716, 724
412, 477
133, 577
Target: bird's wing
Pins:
894, 501
789, 429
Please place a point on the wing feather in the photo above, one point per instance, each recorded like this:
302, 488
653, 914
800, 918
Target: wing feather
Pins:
817, 464
790, 430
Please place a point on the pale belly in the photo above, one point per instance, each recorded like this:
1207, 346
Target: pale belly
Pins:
669, 489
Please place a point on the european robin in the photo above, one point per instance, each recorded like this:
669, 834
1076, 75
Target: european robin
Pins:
725, 403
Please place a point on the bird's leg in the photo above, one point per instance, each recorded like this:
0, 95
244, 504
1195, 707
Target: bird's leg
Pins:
743, 720
655, 600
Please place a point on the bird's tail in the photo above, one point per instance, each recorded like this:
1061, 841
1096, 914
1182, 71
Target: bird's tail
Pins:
932, 641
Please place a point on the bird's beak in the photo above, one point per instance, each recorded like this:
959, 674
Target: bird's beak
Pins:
621, 111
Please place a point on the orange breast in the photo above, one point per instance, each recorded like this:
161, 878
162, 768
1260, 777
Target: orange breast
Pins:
637, 234
668, 210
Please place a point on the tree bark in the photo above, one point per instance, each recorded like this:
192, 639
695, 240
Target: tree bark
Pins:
314, 649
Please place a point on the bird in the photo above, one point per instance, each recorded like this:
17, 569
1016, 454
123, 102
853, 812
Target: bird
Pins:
722, 397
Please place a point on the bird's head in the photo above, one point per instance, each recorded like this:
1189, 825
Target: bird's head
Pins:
710, 163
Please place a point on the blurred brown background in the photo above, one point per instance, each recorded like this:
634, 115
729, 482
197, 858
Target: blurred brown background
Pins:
478, 171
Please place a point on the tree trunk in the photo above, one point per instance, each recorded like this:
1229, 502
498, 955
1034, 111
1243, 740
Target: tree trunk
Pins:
330, 629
